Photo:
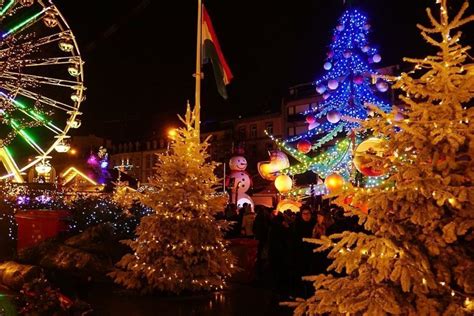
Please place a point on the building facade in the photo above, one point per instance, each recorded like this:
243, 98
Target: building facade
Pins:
139, 157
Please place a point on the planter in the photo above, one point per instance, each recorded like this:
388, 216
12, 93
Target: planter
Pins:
36, 226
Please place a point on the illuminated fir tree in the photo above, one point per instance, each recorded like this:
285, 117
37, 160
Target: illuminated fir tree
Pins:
181, 246
418, 258
346, 88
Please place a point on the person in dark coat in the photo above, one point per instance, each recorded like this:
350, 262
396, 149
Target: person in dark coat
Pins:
261, 227
303, 255
278, 253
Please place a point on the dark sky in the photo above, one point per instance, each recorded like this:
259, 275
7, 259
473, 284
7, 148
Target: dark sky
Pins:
140, 54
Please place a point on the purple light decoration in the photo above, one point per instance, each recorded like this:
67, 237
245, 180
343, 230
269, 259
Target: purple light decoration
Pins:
104, 164
22, 200
92, 160
44, 199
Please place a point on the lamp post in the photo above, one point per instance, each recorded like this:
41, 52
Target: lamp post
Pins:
172, 133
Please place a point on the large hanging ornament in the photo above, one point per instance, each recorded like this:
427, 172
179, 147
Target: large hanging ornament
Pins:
365, 154
333, 84
333, 116
321, 89
304, 146
283, 183
340, 27
365, 48
382, 86
358, 79
278, 161
334, 182
377, 58
327, 65
326, 95
310, 119
347, 54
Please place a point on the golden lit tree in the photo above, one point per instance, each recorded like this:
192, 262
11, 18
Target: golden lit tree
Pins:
418, 257
180, 247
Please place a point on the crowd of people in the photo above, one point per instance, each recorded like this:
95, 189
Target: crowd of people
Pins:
283, 257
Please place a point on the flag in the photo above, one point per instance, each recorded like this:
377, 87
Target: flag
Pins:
211, 52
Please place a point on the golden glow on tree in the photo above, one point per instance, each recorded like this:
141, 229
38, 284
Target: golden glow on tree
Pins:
181, 246
416, 258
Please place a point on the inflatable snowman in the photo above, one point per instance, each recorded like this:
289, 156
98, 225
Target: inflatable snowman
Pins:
239, 181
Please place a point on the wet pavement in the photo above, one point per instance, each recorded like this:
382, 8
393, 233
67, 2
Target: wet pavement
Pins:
238, 300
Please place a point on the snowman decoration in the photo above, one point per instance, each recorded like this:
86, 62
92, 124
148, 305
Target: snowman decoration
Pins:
239, 181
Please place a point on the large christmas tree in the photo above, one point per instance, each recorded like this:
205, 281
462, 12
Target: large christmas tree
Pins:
346, 89
181, 246
418, 257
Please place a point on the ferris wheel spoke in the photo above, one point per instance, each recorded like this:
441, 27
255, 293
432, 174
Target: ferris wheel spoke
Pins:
26, 23
38, 42
38, 97
16, 126
51, 38
7, 6
40, 79
37, 117
52, 61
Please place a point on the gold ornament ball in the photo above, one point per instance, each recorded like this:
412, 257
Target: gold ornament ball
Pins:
334, 182
283, 183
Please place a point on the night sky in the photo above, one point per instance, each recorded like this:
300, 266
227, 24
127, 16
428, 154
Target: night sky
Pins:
140, 54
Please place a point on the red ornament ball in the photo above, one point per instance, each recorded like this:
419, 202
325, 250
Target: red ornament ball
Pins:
365, 48
310, 119
304, 146
347, 54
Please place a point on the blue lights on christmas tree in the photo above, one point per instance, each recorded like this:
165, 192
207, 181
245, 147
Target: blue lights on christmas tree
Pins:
346, 88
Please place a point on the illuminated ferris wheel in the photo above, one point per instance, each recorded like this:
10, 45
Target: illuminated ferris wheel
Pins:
41, 85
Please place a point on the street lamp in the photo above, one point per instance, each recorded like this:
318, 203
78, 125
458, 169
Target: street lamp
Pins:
172, 133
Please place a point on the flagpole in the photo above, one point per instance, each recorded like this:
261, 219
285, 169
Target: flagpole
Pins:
198, 74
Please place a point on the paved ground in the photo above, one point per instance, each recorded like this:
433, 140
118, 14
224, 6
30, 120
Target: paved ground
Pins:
238, 300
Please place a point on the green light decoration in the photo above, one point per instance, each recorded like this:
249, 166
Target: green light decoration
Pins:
329, 136
7, 7
323, 164
22, 24
33, 114
25, 135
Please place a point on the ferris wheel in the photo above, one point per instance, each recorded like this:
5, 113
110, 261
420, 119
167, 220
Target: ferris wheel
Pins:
41, 85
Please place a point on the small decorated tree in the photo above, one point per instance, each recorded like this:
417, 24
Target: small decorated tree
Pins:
418, 257
180, 247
